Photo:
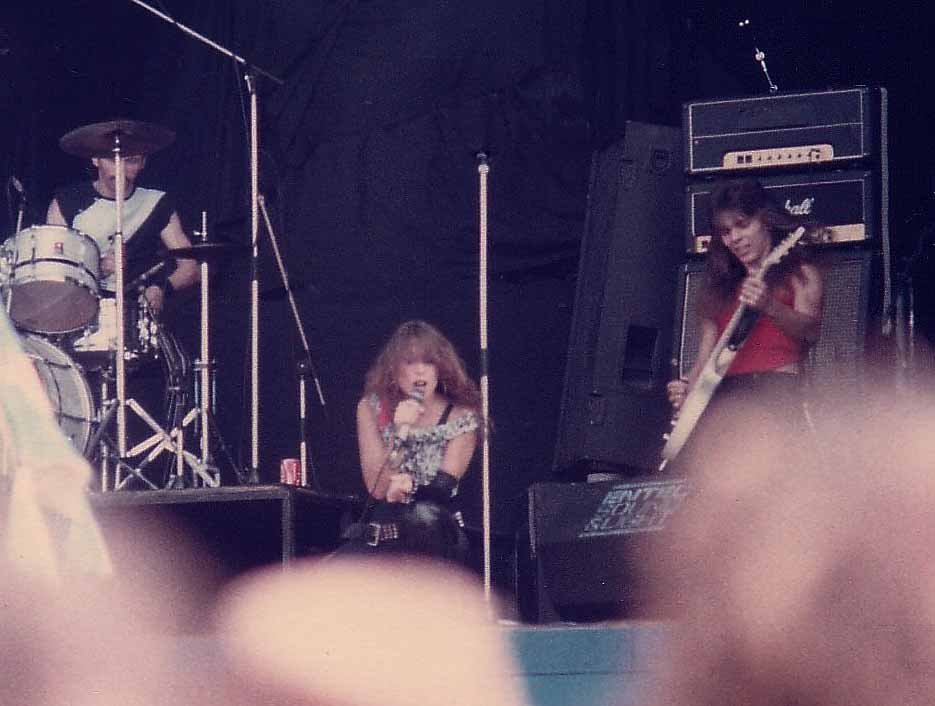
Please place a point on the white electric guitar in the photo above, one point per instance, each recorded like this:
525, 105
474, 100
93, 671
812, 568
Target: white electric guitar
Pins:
720, 359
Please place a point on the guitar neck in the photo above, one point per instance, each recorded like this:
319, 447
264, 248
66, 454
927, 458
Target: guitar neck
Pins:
727, 344
737, 329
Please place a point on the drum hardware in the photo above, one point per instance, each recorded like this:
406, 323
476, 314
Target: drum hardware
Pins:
119, 137
176, 370
172, 439
98, 442
203, 470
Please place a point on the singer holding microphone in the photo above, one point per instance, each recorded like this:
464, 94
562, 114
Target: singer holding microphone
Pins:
417, 428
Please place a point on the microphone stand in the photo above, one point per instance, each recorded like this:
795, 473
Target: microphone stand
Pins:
304, 367
483, 169
251, 70
759, 57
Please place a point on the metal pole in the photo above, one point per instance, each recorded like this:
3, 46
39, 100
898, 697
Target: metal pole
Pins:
483, 169
254, 475
205, 362
120, 303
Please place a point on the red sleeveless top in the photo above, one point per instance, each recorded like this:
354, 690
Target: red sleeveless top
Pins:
767, 347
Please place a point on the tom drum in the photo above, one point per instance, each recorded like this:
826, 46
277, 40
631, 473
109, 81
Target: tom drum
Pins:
51, 282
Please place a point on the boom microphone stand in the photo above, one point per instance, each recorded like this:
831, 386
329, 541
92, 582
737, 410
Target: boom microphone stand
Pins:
253, 476
759, 56
305, 367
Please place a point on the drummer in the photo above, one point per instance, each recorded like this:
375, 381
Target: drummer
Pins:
149, 217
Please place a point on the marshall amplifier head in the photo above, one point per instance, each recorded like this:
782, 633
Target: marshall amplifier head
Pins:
785, 130
844, 202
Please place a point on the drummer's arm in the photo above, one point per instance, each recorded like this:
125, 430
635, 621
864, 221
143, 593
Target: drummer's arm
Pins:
54, 216
186, 270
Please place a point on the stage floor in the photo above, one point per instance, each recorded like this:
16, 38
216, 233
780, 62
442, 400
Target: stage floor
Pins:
248, 527
558, 665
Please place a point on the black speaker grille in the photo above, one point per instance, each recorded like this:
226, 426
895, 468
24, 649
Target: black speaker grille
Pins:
848, 298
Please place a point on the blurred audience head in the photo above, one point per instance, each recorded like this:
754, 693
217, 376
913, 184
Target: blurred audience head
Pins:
390, 632
801, 569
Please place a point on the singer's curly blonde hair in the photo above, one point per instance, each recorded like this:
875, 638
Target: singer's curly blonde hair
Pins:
418, 340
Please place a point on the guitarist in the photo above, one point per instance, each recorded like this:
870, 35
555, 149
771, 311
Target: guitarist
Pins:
784, 309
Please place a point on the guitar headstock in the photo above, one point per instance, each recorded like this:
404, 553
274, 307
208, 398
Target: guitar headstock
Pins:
782, 248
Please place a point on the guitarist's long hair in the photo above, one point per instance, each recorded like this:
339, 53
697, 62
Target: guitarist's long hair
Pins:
723, 271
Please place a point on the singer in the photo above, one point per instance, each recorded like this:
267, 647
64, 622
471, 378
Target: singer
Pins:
417, 427
763, 381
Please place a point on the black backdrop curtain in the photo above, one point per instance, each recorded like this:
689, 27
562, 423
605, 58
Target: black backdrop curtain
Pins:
368, 165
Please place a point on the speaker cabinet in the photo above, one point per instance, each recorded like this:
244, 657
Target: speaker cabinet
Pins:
845, 202
851, 303
613, 401
588, 547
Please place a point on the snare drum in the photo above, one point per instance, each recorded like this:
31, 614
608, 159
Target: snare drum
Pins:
95, 345
52, 281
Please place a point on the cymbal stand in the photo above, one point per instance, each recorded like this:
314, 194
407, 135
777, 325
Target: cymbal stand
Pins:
124, 471
120, 361
305, 367
204, 372
203, 469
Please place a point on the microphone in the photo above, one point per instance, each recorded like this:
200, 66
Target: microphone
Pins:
144, 278
417, 394
18, 185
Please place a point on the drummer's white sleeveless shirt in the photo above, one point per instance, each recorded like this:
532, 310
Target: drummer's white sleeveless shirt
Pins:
99, 220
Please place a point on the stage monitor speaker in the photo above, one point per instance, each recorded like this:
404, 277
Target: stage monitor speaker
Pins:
852, 299
613, 403
589, 544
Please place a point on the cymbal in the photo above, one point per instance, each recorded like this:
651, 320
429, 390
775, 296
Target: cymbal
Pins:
207, 252
97, 139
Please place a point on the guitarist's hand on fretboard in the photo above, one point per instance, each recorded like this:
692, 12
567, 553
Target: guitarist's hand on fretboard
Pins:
755, 293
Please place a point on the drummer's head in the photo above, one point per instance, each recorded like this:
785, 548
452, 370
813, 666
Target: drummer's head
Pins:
106, 181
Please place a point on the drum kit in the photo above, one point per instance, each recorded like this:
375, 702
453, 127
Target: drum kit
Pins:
75, 335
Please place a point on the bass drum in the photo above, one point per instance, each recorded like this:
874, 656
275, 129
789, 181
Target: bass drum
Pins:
67, 389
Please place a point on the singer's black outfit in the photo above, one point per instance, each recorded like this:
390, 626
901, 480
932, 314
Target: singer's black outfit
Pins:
146, 214
421, 527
